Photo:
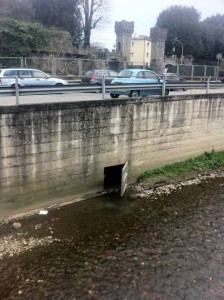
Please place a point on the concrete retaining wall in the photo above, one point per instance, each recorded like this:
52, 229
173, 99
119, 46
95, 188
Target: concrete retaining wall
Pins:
52, 152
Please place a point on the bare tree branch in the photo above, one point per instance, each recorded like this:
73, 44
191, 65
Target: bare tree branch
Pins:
93, 12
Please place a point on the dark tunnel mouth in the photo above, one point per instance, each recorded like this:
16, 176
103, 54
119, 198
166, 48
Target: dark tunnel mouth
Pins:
112, 177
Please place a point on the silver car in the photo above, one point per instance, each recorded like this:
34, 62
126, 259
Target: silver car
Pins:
28, 77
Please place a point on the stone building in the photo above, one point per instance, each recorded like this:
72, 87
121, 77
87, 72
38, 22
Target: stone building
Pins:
124, 31
158, 37
142, 51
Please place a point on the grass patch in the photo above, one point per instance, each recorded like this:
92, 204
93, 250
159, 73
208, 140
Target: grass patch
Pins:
207, 161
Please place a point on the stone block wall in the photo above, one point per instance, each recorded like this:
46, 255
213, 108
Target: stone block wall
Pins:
55, 152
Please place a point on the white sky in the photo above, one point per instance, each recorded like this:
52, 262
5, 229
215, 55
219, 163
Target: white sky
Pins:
144, 13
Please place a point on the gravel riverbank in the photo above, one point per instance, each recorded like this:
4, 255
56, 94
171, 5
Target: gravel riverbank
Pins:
17, 242
163, 241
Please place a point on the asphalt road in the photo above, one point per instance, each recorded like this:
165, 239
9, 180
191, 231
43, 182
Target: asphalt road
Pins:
73, 97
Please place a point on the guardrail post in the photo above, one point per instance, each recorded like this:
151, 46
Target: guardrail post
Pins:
205, 72
178, 69
103, 87
21, 62
17, 91
164, 87
208, 84
192, 72
54, 66
80, 66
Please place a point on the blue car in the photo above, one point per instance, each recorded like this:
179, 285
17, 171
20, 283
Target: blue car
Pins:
136, 76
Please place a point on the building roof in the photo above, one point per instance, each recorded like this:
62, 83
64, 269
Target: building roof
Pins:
142, 37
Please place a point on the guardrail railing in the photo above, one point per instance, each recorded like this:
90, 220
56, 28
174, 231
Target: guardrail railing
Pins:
18, 91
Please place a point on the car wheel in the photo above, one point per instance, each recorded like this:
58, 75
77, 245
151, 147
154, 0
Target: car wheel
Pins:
167, 92
134, 94
114, 96
59, 84
13, 86
184, 90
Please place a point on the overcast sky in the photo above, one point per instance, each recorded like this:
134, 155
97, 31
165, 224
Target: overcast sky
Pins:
144, 13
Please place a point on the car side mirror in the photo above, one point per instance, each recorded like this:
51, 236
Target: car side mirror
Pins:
159, 79
181, 79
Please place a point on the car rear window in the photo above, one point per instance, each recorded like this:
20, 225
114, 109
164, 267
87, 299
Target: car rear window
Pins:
10, 73
112, 73
88, 74
125, 74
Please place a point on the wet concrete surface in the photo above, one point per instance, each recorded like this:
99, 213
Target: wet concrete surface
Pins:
166, 247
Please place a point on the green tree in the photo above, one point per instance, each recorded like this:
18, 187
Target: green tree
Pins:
212, 37
18, 38
182, 23
60, 14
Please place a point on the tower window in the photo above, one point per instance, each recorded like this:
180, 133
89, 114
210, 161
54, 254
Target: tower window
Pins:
119, 46
133, 44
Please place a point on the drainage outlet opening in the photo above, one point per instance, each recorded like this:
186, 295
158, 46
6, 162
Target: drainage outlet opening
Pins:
112, 177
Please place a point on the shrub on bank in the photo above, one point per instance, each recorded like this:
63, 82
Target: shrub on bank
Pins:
207, 161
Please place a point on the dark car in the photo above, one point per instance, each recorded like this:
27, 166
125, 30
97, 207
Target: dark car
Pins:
173, 78
96, 77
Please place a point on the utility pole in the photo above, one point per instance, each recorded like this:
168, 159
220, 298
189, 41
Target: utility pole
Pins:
182, 50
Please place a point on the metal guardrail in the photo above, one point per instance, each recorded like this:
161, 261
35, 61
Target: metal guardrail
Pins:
74, 88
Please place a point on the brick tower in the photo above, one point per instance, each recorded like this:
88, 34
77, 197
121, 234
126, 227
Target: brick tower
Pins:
124, 31
158, 37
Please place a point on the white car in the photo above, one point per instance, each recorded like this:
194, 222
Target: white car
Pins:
28, 77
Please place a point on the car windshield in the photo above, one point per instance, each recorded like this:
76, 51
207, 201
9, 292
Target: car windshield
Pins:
125, 74
40, 74
98, 73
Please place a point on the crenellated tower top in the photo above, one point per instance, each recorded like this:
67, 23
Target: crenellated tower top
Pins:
124, 27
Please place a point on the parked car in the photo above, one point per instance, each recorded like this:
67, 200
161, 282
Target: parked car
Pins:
28, 77
174, 78
96, 77
136, 76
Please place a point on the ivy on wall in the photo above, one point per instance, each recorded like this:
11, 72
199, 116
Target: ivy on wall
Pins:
18, 38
